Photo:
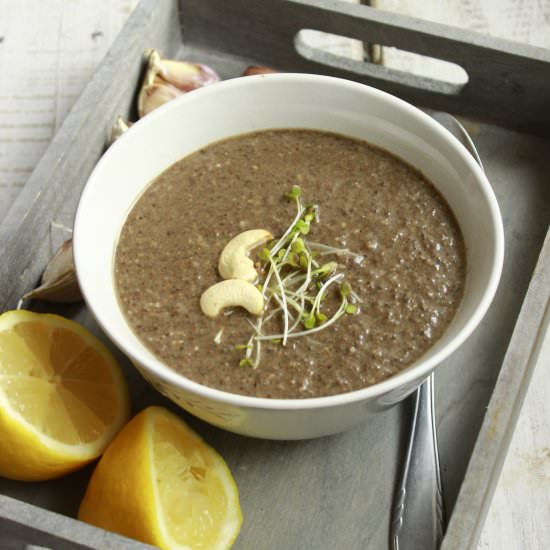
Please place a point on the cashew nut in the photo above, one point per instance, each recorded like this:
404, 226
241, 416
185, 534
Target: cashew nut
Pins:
234, 261
232, 292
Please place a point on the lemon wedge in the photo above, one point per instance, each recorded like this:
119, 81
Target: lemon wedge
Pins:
62, 396
160, 483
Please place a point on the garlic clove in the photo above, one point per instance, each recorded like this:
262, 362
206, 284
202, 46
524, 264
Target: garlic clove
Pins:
119, 127
164, 78
63, 290
154, 95
59, 282
187, 76
153, 67
256, 69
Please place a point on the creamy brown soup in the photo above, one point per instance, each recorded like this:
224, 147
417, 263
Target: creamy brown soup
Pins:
407, 267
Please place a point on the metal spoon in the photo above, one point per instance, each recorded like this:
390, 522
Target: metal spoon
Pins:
418, 519
418, 515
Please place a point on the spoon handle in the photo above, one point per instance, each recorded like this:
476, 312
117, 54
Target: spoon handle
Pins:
418, 514
418, 518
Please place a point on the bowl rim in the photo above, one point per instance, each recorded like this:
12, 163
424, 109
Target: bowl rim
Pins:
417, 371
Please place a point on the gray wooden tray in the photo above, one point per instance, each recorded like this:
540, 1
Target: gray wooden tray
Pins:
336, 491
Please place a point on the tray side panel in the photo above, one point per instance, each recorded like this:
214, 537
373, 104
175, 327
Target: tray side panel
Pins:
24, 524
508, 83
517, 167
497, 429
325, 479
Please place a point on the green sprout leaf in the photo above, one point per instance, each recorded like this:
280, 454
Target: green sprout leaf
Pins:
298, 246
281, 254
325, 269
321, 317
345, 290
264, 254
295, 284
246, 363
294, 193
292, 260
309, 321
242, 346
303, 227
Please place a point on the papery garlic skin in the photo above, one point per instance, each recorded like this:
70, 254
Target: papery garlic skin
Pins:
119, 127
156, 94
187, 76
252, 70
59, 282
166, 79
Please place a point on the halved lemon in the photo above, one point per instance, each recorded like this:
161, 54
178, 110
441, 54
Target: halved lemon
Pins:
160, 483
62, 396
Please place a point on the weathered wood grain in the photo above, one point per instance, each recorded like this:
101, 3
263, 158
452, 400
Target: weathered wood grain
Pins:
503, 411
322, 480
509, 83
53, 190
518, 515
43, 73
53, 531
523, 21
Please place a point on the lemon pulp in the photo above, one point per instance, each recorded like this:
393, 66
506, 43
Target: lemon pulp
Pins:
62, 393
160, 483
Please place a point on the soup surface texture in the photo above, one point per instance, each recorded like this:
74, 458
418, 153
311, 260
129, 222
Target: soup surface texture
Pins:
407, 267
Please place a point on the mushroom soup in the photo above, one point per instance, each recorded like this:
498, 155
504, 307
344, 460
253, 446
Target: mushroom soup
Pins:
343, 265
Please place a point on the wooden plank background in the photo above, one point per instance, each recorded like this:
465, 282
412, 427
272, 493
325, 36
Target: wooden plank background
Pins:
48, 52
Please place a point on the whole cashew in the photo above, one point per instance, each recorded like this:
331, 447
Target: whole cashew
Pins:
232, 292
234, 261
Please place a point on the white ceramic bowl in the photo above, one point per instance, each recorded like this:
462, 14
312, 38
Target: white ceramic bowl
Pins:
283, 101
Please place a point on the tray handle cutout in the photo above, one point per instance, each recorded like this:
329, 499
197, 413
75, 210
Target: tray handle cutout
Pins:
370, 69
508, 82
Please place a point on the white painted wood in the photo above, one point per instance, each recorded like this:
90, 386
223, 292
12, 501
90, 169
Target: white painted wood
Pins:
48, 52
338, 45
519, 516
50, 49
525, 21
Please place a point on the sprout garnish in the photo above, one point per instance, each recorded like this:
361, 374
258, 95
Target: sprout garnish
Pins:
296, 283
